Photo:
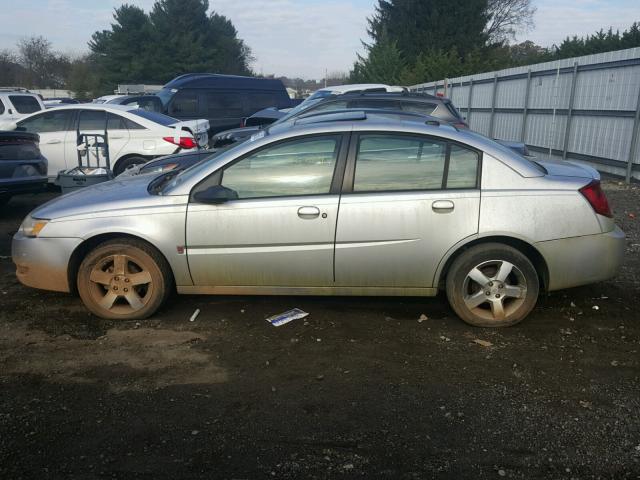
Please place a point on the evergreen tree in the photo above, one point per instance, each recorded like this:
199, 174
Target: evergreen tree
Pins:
430, 25
383, 64
176, 37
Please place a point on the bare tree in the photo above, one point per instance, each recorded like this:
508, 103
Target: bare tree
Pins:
10, 69
508, 16
42, 66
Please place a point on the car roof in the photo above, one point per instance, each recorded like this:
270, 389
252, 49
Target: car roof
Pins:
233, 82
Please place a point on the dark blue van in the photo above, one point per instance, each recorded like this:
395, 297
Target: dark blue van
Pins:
224, 100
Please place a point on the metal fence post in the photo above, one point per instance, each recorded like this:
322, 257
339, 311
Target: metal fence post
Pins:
526, 107
567, 129
493, 105
469, 100
634, 140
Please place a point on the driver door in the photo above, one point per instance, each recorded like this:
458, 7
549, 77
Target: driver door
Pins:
280, 230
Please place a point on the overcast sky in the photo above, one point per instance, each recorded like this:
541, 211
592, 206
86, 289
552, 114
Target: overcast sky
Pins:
291, 37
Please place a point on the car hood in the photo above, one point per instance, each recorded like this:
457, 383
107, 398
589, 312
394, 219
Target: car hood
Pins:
109, 198
569, 169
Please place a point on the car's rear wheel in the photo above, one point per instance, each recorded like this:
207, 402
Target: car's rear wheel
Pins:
127, 163
492, 285
124, 279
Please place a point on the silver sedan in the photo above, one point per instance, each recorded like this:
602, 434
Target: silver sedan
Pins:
360, 205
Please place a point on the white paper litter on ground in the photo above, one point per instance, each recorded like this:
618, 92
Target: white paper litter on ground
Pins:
286, 317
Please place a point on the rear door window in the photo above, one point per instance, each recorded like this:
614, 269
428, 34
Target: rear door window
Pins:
184, 103
223, 105
1, 107
56, 121
25, 103
92, 120
395, 162
117, 122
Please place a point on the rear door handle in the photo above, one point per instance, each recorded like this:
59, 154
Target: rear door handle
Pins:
308, 212
442, 206
53, 141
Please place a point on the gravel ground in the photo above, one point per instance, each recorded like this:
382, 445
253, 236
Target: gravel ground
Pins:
360, 388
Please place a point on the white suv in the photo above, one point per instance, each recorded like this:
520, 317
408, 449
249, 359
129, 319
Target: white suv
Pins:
16, 103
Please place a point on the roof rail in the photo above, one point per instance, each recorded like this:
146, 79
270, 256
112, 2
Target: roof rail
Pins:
332, 116
14, 89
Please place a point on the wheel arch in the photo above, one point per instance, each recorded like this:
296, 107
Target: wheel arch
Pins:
89, 244
524, 247
127, 156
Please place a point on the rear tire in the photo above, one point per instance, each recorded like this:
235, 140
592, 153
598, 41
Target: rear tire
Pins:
124, 279
126, 163
492, 285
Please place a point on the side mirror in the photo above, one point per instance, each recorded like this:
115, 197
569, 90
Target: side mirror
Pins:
214, 195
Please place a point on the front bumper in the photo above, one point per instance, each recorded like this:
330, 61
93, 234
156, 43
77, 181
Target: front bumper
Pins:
43, 262
582, 260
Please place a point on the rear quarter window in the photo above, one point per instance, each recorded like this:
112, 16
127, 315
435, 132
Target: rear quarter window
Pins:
24, 103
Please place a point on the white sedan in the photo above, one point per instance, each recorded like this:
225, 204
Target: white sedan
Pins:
135, 136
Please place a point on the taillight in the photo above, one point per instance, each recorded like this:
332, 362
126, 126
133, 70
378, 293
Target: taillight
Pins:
461, 125
596, 198
182, 142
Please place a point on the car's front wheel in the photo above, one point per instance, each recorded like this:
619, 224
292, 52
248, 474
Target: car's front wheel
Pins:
492, 285
124, 279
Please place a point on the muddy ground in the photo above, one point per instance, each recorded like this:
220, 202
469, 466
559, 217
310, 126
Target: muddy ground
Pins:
359, 389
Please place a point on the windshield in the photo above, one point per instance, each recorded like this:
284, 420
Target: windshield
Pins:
312, 100
155, 117
165, 95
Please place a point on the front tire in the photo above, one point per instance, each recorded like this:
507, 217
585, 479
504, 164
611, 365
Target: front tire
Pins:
492, 285
124, 280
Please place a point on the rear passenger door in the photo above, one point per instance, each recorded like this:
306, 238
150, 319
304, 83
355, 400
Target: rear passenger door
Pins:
407, 199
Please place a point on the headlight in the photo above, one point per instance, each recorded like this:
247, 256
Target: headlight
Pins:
31, 227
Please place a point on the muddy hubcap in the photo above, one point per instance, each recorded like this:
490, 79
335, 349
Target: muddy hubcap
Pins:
121, 284
495, 289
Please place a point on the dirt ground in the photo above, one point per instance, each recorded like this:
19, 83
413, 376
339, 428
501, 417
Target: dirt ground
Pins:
360, 388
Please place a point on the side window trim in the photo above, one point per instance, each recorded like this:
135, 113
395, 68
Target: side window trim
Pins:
349, 175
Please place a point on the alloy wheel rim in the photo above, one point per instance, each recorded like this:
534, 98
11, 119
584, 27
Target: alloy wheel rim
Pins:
120, 284
494, 289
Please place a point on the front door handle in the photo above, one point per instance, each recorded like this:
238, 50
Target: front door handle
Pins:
53, 141
442, 206
308, 212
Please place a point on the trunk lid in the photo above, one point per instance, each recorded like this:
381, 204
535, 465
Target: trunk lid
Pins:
199, 128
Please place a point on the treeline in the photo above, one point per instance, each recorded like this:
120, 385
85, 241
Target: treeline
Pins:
416, 42
175, 37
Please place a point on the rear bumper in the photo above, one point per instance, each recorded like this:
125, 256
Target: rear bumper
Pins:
14, 187
582, 260
43, 262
